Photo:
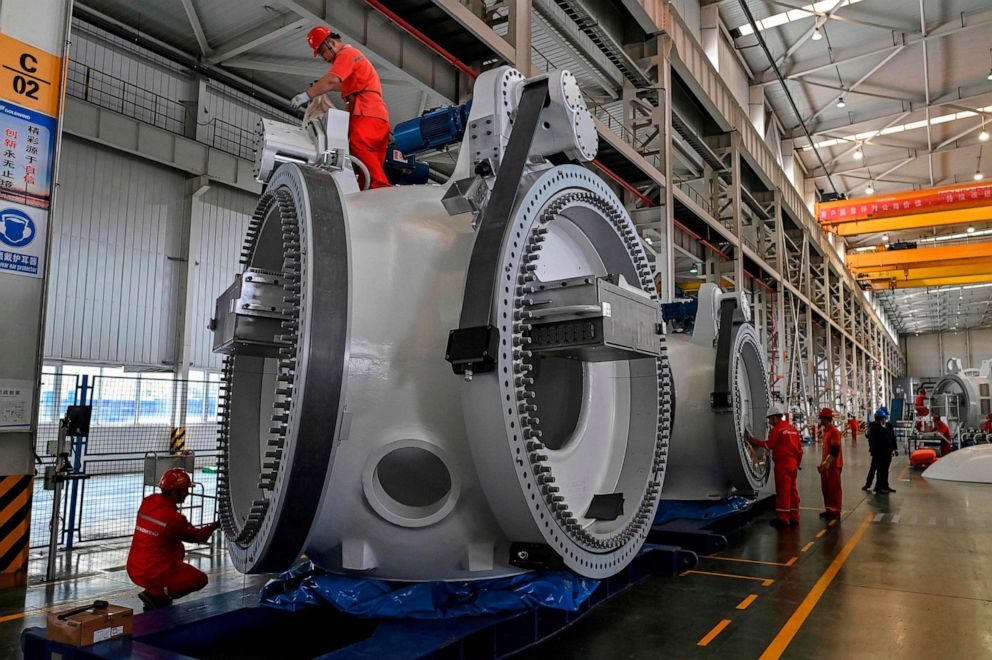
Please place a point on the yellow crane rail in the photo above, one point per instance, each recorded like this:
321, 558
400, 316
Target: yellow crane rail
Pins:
913, 221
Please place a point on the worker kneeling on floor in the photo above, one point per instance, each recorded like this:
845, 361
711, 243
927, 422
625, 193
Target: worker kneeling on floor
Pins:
787, 453
155, 561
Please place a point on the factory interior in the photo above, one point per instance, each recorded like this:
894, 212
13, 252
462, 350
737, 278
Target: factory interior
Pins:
495, 328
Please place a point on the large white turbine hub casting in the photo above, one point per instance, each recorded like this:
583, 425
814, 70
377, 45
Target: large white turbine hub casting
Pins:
721, 389
970, 464
963, 394
436, 383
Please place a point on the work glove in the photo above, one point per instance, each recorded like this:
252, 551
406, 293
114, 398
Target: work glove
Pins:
300, 100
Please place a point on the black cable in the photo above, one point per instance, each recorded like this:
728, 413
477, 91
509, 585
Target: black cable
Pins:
788, 95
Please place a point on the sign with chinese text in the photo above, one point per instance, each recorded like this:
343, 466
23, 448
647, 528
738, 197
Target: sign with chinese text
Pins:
30, 85
945, 198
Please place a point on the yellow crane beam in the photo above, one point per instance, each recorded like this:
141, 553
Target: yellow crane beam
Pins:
914, 221
929, 282
949, 255
906, 274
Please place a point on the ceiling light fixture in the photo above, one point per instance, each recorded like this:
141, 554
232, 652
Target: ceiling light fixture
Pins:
971, 230
840, 103
694, 270
817, 35
869, 189
885, 238
858, 154
978, 176
989, 77
984, 135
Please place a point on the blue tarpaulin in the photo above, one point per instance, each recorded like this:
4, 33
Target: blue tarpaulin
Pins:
306, 585
669, 510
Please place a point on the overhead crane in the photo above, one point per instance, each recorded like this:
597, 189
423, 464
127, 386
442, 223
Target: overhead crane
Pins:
922, 267
957, 204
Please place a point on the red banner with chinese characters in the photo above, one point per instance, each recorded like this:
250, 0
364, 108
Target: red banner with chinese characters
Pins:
945, 198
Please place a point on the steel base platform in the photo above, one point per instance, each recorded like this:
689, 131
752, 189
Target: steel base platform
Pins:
707, 535
226, 626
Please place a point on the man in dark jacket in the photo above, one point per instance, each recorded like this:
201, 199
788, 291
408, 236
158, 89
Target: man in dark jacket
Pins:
882, 445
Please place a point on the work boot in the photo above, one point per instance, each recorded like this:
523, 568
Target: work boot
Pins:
778, 523
151, 602
890, 490
882, 491
866, 488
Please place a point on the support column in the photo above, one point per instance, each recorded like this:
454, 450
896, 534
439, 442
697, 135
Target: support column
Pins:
662, 119
736, 208
33, 56
519, 34
189, 255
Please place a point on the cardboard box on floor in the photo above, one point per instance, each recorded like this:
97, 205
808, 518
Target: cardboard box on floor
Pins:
85, 626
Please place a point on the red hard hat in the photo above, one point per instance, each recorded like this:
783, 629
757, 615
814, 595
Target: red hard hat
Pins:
318, 36
826, 412
175, 479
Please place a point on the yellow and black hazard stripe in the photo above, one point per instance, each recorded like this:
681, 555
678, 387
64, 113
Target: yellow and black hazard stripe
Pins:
177, 441
15, 525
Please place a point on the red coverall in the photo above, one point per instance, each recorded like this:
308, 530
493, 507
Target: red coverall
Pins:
368, 128
939, 426
787, 453
987, 424
921, 404
830, 478
853, 424
156, 558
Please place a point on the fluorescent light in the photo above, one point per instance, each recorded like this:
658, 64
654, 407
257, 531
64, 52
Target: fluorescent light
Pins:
911, 126
775, 20
817, 35
840, 103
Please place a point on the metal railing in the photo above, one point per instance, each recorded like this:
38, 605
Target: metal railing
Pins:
112, 93
107, 91
131, 417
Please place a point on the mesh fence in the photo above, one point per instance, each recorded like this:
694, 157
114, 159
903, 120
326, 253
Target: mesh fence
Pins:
133, 419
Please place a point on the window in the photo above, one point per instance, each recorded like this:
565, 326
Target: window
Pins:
155, 399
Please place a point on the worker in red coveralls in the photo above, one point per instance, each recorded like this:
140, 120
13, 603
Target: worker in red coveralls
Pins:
155, 561
787, 453
920, 403
355, 77
854, 425
944, 430
987, 424
830, 466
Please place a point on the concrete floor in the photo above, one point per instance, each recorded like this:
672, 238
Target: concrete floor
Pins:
910, 579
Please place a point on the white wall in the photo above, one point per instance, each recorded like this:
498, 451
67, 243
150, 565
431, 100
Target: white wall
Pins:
927, 354
112, 287
226, 213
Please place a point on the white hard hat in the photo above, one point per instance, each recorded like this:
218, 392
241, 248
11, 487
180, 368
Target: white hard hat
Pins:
775, 410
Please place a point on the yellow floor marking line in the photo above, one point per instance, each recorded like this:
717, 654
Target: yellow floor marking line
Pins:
806, 547
765, 582
743, 605
821, 533
751, 561
711, 635
795, 622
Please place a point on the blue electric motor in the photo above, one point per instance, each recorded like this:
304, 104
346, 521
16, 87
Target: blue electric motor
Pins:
432, 130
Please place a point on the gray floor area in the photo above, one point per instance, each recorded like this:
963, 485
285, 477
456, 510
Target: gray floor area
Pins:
911, 579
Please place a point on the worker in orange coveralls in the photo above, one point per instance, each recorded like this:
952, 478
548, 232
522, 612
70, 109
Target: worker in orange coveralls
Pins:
987, 424
941, 427
787, 453
355, 77
920, 403
854, 425
830, 466
155, 561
